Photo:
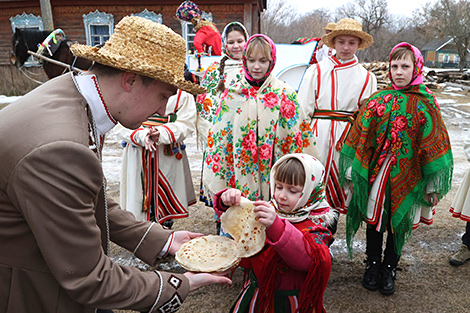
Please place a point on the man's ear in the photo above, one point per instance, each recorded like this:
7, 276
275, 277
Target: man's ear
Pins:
128, 80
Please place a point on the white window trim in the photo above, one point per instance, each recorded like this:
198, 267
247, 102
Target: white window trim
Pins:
99, 19
150, 15
24, 21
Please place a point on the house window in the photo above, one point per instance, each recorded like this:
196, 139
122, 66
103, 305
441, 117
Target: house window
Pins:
98, 27
188, 31
445, 58
28, 21
456, 58
150, 16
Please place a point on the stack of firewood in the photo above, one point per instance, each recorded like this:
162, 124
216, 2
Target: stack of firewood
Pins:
454, 78
380, 69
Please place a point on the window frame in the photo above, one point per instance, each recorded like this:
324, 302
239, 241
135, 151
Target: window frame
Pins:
25, 21
97, 18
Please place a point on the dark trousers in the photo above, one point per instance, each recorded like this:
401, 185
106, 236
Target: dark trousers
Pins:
374, 246
466, 236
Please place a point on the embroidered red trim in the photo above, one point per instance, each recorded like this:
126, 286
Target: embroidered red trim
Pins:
102, 99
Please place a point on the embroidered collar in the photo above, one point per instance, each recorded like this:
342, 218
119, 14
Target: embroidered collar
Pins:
89, 88
339, 63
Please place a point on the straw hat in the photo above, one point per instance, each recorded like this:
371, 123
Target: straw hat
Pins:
146, 48
330, 26
351, 27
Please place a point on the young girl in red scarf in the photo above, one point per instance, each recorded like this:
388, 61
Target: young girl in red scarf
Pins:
399, 159
290, 274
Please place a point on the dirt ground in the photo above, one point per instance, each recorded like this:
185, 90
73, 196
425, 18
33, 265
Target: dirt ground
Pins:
426, 283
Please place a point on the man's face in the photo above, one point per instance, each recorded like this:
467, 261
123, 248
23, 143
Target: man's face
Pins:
143, 101
346, 46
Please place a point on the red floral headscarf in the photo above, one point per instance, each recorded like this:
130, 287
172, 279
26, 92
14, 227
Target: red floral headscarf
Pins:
418, 66
272, 61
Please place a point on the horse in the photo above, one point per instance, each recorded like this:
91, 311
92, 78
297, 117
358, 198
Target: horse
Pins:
29, 39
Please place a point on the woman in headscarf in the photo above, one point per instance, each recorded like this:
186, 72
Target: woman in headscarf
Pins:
257, 122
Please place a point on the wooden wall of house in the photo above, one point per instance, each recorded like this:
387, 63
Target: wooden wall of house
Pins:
70, 19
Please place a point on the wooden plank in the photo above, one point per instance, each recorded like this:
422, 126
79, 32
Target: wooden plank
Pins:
55, 62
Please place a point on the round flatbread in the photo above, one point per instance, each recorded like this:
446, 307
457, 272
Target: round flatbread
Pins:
240, 222
208, 254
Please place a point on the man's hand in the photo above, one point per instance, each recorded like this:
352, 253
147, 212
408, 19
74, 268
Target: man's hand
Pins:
197, 280
180, 238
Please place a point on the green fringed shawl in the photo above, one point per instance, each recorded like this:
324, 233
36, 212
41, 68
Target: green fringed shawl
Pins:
407, 124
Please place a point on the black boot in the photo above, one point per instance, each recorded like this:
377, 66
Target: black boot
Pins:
387, 279
370, 280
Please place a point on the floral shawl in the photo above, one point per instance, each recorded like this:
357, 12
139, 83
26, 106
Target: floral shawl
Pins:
253, 128
406, 126
207, 103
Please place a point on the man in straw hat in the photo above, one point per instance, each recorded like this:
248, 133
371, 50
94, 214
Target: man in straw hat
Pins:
55, 219
323, 51
331, 91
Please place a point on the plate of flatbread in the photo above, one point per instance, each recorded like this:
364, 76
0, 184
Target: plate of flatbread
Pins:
208, 254
218, 253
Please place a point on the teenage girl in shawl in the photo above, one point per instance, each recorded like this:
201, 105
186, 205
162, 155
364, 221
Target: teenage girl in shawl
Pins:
399, 159
218, 77
257, 122
292, 270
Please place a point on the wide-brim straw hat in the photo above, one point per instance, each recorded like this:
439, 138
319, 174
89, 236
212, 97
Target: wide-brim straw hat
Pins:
351, 27
330, 26
146, 48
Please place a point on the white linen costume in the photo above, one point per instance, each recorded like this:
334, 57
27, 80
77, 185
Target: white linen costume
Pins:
174, 184
460, 207
330, 93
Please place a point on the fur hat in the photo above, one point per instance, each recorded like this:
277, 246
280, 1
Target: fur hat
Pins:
330, 26
348, 27
146, 48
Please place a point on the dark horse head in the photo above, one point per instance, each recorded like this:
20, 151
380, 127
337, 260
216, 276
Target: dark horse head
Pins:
29, 39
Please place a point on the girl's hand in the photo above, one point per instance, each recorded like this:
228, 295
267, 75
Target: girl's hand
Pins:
231, 197
265, 213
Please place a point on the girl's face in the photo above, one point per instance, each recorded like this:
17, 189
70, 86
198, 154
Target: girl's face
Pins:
257, 64
346, 46
235, 43
287, 195
402, 71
